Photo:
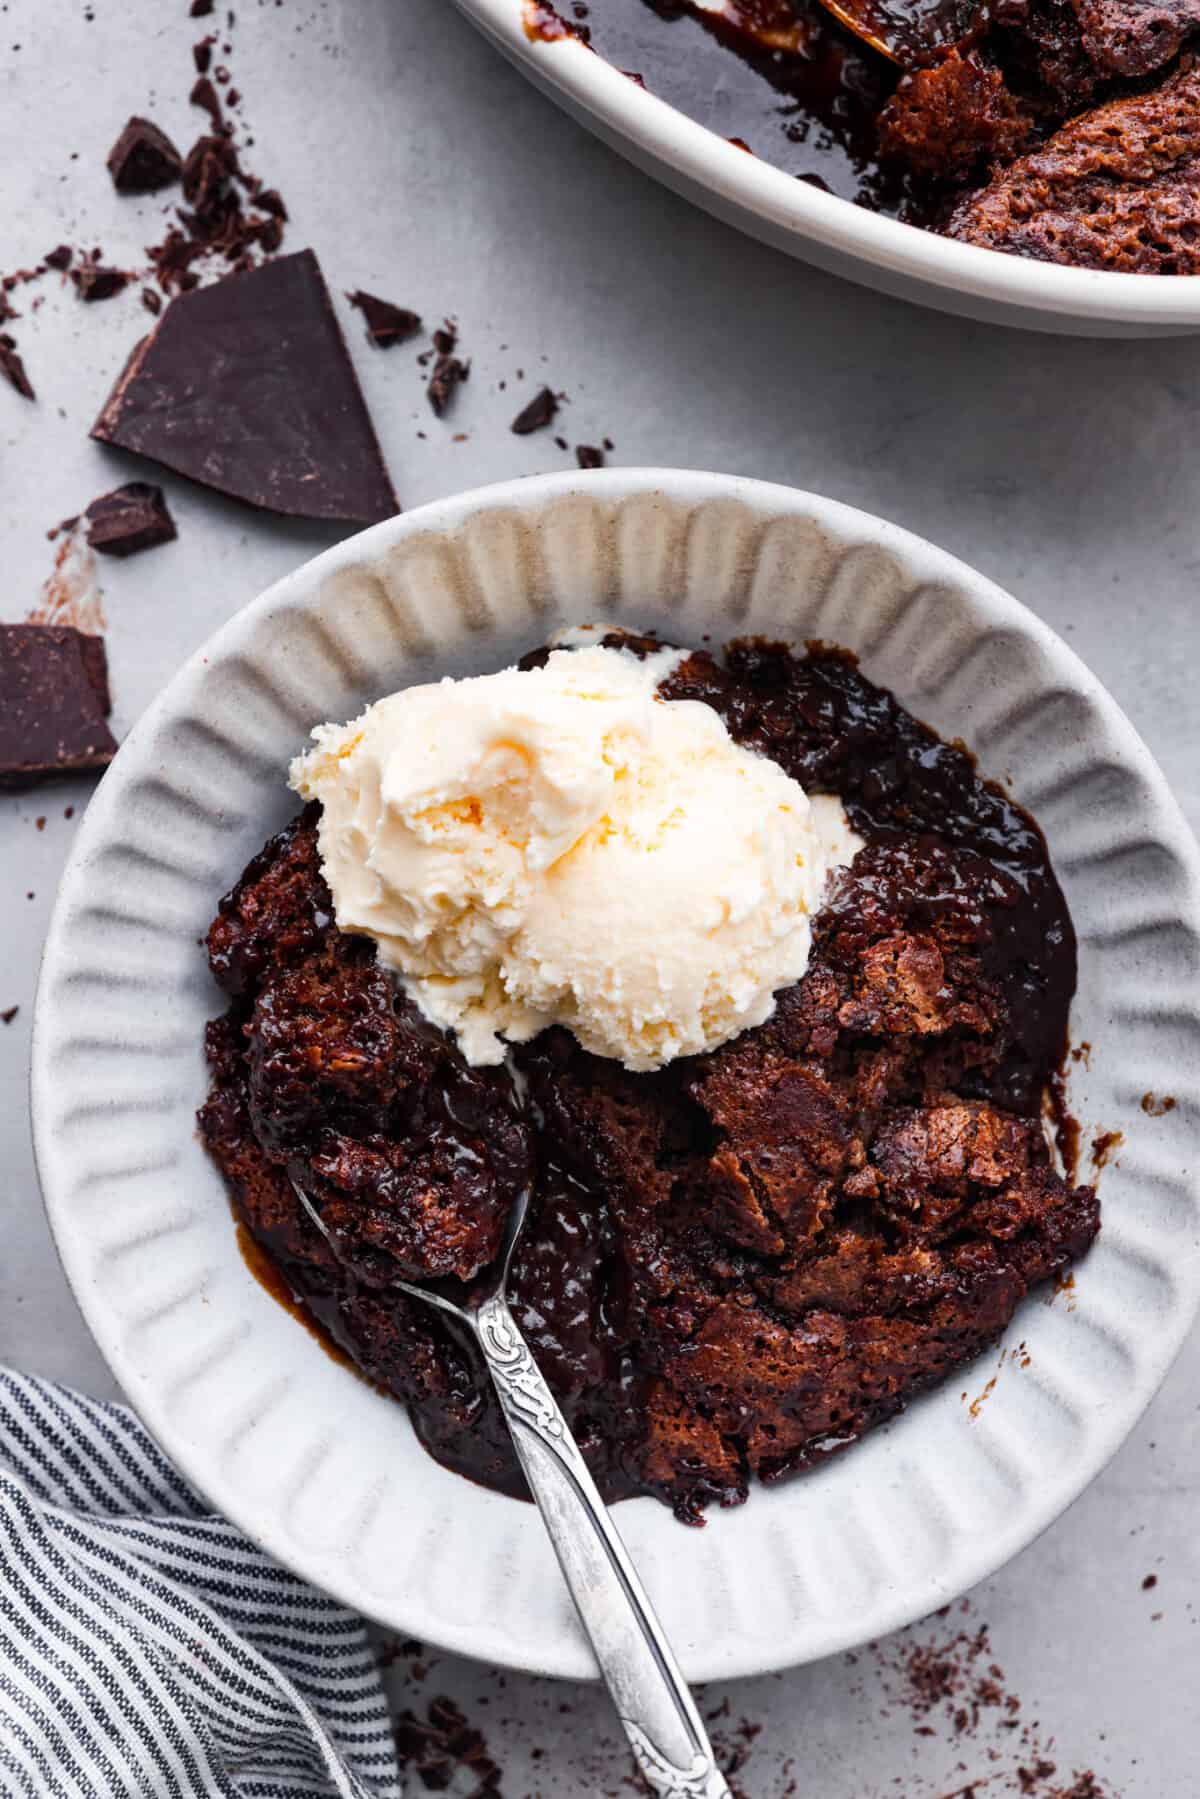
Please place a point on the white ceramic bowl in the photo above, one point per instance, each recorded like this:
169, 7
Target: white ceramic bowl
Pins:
309, 1460
821, 228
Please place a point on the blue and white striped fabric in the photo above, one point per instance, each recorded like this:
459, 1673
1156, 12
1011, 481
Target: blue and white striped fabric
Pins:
146, 1648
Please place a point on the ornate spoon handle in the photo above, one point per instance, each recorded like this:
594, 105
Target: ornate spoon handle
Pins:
665, 1731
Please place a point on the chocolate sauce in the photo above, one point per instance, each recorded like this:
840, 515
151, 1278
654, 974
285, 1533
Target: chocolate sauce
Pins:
809, 108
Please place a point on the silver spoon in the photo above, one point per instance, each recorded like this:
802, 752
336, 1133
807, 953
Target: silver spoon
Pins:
665, 1731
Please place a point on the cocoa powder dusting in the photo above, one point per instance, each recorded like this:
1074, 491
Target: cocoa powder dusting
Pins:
936, 1691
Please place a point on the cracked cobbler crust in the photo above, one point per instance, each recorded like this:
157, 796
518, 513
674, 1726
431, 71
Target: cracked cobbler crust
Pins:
739, 1264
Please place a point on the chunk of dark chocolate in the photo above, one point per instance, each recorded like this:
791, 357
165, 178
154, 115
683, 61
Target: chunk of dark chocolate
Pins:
12, 368
59, 258
53, 703
537, 414
386, 324
143, 159
129, 519
247, 386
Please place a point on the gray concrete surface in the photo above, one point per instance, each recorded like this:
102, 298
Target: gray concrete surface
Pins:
421, 166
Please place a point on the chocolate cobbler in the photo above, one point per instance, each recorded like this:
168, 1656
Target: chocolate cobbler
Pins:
738, 1263
1063, 130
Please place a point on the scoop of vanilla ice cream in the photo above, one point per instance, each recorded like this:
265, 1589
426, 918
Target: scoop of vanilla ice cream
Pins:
560, 845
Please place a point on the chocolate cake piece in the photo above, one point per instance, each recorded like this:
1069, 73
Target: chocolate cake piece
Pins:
1039, 45
143, 159
1118, 188
247, 386
1131, 38
129, 519
277, 913
412, 1158
54, 702
737, 1264
948, 119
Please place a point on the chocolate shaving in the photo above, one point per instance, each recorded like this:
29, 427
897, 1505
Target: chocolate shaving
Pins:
10, 1012
386, 324
12, 367
143, 159
448, 374
205, 95
129, 519
589, 456
537, 414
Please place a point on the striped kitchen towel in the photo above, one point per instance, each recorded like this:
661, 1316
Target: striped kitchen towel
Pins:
146, 1648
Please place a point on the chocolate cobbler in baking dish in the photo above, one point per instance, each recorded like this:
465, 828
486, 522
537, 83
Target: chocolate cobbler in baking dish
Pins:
741, 1256
1067, 131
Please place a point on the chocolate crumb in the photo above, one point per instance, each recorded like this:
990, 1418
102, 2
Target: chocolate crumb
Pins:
152, 300
94, 281
129, 519
60, 257
200, 9
589, 456
1154, 1107
562, 443
12, 367
143, 159
205, 95
69, 812
441, 1744
448, 374
1150, 1581
202, 53
387, 324
537, 414
1104, 1147
7, 1016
